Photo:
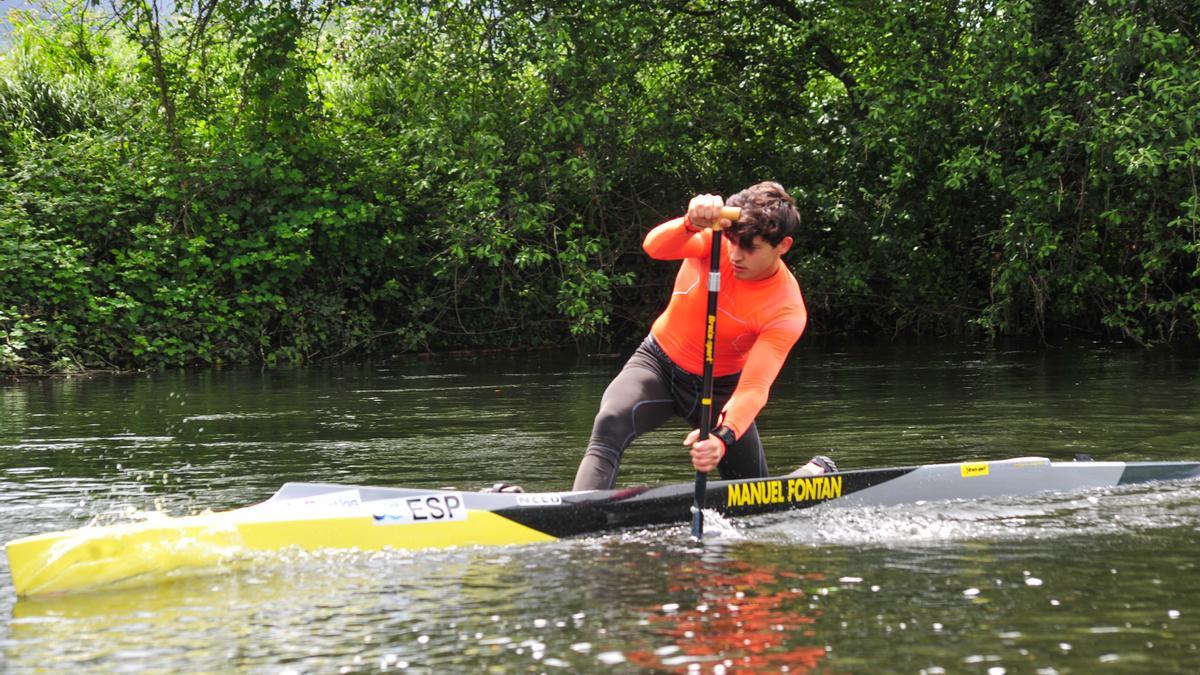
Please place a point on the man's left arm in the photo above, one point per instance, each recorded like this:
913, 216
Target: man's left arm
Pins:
763, 363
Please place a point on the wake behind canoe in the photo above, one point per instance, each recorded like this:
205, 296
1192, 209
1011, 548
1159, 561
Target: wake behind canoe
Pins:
315, 516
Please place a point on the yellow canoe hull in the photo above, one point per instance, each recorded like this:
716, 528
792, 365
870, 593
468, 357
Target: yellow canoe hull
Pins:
117, 555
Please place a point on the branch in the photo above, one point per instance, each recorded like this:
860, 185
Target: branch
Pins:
823, 56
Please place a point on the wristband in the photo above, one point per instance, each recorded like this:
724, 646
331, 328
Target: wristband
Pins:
726, 435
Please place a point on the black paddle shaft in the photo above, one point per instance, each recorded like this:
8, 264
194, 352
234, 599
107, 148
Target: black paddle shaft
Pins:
706, 387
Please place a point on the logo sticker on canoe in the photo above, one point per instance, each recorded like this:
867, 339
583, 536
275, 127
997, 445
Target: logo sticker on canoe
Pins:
794, 490
538, 500
340, 498
973, 469
420, 509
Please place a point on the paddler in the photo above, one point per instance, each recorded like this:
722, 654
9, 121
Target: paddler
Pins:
760, 315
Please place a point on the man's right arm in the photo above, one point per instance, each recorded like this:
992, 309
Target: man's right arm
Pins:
685, 237
675, 240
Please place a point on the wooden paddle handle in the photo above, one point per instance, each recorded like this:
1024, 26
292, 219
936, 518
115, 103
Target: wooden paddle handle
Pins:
731, 212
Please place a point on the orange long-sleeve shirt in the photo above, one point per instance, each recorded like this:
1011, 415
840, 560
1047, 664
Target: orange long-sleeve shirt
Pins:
757, 321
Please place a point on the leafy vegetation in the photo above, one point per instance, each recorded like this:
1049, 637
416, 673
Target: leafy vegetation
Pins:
245, 182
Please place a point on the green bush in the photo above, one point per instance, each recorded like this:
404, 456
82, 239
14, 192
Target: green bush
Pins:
325, 179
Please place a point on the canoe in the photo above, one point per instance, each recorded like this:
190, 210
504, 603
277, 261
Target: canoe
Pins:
315, 516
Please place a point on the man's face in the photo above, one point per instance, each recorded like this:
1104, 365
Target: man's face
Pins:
756, 260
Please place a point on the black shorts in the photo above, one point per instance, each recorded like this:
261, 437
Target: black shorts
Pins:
648, 391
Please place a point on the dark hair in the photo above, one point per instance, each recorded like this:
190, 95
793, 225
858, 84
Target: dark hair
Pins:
768, 211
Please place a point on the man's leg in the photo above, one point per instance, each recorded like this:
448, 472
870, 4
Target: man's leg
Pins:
638, 400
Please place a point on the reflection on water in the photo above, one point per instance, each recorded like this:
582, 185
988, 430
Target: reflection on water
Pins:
749, 619
515, 605
643, 601
1057, 583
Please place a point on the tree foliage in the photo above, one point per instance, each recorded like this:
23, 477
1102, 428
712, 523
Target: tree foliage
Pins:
244, 181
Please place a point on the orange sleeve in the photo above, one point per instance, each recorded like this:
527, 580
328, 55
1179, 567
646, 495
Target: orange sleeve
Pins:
763, 364
674, 240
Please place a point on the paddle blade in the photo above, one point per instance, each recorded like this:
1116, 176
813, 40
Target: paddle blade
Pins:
698, 505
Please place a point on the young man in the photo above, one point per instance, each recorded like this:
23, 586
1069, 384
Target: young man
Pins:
760, 315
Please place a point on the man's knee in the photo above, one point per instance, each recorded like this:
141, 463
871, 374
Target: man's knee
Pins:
612, 425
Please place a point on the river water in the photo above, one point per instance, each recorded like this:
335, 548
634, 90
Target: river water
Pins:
1103, 581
